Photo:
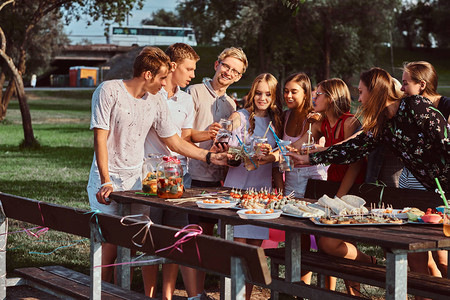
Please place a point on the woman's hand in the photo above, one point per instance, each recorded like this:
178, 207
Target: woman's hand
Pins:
299, 159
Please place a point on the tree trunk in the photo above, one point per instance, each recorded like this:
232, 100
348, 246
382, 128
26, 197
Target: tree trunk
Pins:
6, 97
327, 43
29, 139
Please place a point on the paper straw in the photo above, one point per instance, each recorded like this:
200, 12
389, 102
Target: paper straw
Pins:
442, 192
245, 150
309, 135
267, 130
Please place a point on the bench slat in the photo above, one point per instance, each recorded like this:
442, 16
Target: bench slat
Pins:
418, 284
86, 281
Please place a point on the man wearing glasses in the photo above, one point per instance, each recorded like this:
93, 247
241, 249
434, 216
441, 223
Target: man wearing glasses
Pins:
211, 103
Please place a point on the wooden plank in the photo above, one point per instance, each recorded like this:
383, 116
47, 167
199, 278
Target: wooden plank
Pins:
85, 280
113, 231
57, 283
45, 214
418, 284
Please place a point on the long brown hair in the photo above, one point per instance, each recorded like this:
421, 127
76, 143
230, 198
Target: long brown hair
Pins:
339, 95
305, 83
382, 89
422, 70
274, 109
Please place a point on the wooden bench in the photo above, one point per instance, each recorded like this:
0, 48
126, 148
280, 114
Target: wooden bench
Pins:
69, 284
418, 284
240, 262
399, 198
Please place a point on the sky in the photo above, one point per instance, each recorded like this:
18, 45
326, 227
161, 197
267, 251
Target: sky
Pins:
78, 31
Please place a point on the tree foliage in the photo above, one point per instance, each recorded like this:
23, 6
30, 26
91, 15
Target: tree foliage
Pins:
163, 18
325, 38
37, 11
423, 23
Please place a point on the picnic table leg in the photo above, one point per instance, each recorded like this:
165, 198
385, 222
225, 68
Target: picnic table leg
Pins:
237, 278
396, 275
293, 252
226, 232
3, 239
123, 255
96, 260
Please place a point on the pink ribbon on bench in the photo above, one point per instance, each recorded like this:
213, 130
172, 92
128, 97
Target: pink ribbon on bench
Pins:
146, 228
191, 231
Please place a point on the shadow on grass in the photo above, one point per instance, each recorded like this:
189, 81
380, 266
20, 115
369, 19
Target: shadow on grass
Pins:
82, 106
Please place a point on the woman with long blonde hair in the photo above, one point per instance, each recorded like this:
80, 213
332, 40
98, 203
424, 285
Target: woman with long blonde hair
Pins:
262, 107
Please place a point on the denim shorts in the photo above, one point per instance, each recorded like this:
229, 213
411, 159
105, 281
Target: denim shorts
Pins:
297, 179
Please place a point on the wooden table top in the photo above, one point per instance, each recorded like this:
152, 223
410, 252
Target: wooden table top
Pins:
407, 237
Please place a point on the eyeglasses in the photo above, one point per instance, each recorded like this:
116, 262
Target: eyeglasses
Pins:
227, 68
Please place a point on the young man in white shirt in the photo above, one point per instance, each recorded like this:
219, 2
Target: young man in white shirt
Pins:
183, 60
123, 112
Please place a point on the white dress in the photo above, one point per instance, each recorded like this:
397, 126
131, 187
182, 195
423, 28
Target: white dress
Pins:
239, 177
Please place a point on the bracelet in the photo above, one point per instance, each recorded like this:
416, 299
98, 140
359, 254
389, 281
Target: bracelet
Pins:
208, 158
106, 183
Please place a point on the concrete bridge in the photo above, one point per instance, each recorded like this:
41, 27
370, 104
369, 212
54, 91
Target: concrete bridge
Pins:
85, 55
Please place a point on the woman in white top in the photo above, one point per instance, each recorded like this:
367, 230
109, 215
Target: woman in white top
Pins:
297, 95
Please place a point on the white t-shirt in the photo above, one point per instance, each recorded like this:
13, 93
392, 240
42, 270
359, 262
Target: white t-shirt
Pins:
181, 109
128, 120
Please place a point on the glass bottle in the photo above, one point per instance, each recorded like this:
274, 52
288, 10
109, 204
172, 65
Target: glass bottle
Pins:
170, 178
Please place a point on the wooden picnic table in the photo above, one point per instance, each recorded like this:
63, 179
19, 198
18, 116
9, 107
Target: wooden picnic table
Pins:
398, 240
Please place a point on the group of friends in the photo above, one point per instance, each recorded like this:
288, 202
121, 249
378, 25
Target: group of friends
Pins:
405, 123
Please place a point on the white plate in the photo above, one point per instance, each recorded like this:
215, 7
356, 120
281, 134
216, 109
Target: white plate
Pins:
295, 216
396, 213
262, 216
202, 204
317, 222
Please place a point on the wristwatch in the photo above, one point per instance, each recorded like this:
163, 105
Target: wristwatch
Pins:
208, 158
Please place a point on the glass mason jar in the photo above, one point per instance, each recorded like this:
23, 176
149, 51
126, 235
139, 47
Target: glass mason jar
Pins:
170, 178
149, 173
259, 141
224, 133
236, 158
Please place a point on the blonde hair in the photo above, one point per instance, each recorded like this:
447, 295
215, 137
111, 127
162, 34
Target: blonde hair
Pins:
422, 70
339, 95
234, 52
274, 109
305, 83
150, 59
382, 88
179, 51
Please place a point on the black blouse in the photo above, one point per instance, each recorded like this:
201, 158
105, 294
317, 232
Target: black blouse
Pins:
417, 134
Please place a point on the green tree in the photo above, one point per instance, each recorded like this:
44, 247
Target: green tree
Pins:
163, 18
36, 11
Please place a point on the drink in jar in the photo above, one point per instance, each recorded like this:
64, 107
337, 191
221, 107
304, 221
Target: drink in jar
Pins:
149, 173
170, 178
259, 141
236, 158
